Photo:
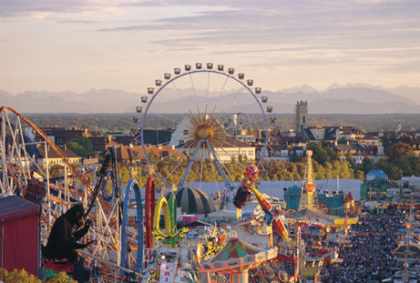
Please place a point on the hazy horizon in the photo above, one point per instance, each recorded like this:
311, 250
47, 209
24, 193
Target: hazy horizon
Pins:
142, 91
347, 99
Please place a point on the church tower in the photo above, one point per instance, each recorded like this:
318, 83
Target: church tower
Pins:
301, 116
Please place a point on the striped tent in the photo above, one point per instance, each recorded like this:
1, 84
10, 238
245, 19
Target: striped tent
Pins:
235, 248
238, 255
193, 201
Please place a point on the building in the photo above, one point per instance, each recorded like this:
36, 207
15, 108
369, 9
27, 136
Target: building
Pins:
377, 175
372, 141
410, 181
181, 133
62, 136
226, 147
345, 150
226, 150
246, 136
54, 159
157, 136
334, 202
330, 134
292, 197
351, 133
301, 116
150, 137
135, 153
287, 145
99, 144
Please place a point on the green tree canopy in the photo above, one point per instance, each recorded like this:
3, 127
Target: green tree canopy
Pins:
81, 146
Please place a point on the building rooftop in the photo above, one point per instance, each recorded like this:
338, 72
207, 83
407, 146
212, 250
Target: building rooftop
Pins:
125, 152
227, 141
53, 154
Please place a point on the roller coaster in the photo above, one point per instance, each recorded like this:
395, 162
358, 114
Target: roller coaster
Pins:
24, 149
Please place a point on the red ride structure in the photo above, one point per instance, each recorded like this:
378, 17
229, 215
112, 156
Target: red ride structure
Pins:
150, 208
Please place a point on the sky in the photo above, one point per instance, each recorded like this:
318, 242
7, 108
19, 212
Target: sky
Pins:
77, 45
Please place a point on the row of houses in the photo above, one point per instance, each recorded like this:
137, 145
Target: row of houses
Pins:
347, 142
160, 144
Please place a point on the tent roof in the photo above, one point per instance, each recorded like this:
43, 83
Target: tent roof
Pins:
235, 248
193, 201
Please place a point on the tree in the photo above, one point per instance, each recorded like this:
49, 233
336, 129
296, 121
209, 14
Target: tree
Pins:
61, 277
322, 153
15, 275
329, 171
399, 150
345, 170
81, 146
394, 173
406, 164
320, 171
359, 175
367, 165
342, 140
390, 168
319, 153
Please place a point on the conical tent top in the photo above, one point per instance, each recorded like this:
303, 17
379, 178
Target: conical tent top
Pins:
235, 248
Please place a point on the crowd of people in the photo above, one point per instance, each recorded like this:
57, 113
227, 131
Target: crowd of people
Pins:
369, 257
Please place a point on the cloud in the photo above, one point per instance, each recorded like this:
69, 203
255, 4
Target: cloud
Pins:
23, 7
405, 67
351, 39
77, 22
137, 28
12, 8
336, 23
376, 2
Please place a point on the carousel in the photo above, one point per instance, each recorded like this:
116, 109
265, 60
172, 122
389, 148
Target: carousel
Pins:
235, 260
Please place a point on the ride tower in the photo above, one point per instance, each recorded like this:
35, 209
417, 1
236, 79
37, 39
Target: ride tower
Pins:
309, 185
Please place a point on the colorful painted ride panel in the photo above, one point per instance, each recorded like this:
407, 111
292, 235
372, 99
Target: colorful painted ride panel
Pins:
238, 255
132, 187
171, 235
162, 204
150, 207
277, 224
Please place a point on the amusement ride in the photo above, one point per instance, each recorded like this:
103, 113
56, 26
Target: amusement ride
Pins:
122, 229
136, 231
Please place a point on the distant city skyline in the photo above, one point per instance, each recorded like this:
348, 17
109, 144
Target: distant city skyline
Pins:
78, 45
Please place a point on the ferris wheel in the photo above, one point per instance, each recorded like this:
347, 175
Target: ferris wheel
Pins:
216, 116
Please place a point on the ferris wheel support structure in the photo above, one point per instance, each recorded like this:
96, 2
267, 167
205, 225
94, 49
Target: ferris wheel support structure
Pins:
219, 166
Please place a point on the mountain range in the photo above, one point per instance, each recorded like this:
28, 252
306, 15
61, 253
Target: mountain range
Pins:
345, 99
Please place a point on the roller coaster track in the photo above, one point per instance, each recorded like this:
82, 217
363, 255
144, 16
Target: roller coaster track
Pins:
111, 215
43, 135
